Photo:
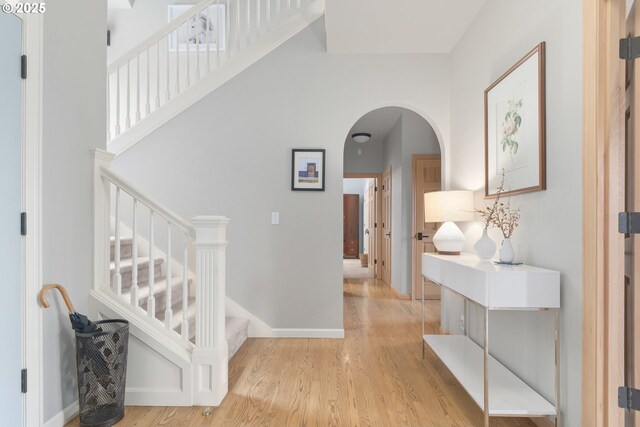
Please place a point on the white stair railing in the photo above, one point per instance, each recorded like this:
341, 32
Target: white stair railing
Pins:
185, 51
206, 235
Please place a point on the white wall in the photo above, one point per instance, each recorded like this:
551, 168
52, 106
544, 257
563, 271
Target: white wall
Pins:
370, 161
230, 154
357, 186
393, 160
129, 27
409, 26
74, 122
417, 138
550, 231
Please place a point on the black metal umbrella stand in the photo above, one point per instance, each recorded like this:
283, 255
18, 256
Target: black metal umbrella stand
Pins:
101, 357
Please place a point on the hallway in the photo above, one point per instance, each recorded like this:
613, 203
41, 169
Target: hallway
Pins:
374, 377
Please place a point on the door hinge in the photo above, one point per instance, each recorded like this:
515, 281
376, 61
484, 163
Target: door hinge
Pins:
383, 263
382, 187
375, 261
23, 381
629, 398
630, 48
376, 189
23, 223
23, 66
629, 222
375, 225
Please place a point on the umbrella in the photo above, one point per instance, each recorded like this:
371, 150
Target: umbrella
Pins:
79, 322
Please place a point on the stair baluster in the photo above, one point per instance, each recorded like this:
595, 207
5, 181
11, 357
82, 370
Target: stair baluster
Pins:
108, 109
197, 43
117, 129
151, 300
207, 41
258, 18
237, 29
168, 88
137, 88
188, 54
157, 75
127, 120
227, 29
248, 22
148, 106
185, 291
117, 277
218, 33
168, 313
135, 290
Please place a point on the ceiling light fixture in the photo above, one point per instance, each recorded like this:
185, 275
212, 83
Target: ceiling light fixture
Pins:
361, 137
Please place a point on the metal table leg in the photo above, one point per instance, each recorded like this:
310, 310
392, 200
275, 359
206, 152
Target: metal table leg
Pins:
422, 336
486, 367
557, 361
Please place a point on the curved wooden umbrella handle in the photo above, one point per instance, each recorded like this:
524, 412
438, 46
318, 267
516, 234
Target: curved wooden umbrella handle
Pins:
65, 296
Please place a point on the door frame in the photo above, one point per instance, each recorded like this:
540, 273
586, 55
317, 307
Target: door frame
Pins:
32, 38
603, 168
377, 270
389, 260
414, 242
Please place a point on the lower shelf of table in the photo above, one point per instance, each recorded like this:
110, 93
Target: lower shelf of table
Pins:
508, 394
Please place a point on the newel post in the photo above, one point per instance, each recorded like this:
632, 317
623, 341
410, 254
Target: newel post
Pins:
210, 358
101, 219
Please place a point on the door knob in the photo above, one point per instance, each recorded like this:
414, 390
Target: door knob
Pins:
388, 234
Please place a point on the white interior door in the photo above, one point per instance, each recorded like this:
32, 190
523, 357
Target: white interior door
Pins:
11, 278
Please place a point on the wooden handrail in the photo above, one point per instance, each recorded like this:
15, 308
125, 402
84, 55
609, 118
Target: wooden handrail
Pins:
65, 296
156, 207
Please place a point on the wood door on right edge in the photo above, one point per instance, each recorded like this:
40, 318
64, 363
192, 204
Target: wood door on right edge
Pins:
426, 178
385, 256
632, 241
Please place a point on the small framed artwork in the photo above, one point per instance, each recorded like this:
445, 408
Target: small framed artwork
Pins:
515, 127
209, 26
307, 169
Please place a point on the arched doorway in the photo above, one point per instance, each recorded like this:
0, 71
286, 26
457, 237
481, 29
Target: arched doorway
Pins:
391, 148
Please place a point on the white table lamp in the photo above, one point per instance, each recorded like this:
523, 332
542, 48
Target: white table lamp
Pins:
447, 207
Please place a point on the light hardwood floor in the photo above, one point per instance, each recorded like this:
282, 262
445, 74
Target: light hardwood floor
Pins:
374, 377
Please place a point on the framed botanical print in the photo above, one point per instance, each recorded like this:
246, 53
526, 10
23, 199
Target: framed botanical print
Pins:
307, 169
208, 26
515, 127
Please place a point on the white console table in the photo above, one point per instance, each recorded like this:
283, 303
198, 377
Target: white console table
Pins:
493, 287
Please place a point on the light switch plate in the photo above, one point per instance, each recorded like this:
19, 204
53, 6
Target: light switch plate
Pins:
275, 218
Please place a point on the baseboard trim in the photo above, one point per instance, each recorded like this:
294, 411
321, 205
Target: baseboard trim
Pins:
398, 294
64, 416
307, 333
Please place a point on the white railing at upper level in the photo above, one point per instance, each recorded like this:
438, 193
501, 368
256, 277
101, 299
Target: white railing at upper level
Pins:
186, 50
152, 226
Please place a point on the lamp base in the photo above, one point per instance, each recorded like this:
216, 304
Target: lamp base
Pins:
449, 240
448, 253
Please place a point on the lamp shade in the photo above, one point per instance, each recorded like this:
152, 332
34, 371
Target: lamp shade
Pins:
443, 206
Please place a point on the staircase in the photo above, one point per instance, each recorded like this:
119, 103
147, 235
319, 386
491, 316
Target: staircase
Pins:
192, 56
166, 276
236, 328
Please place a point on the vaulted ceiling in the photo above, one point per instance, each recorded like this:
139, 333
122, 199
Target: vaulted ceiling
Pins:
399, 26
